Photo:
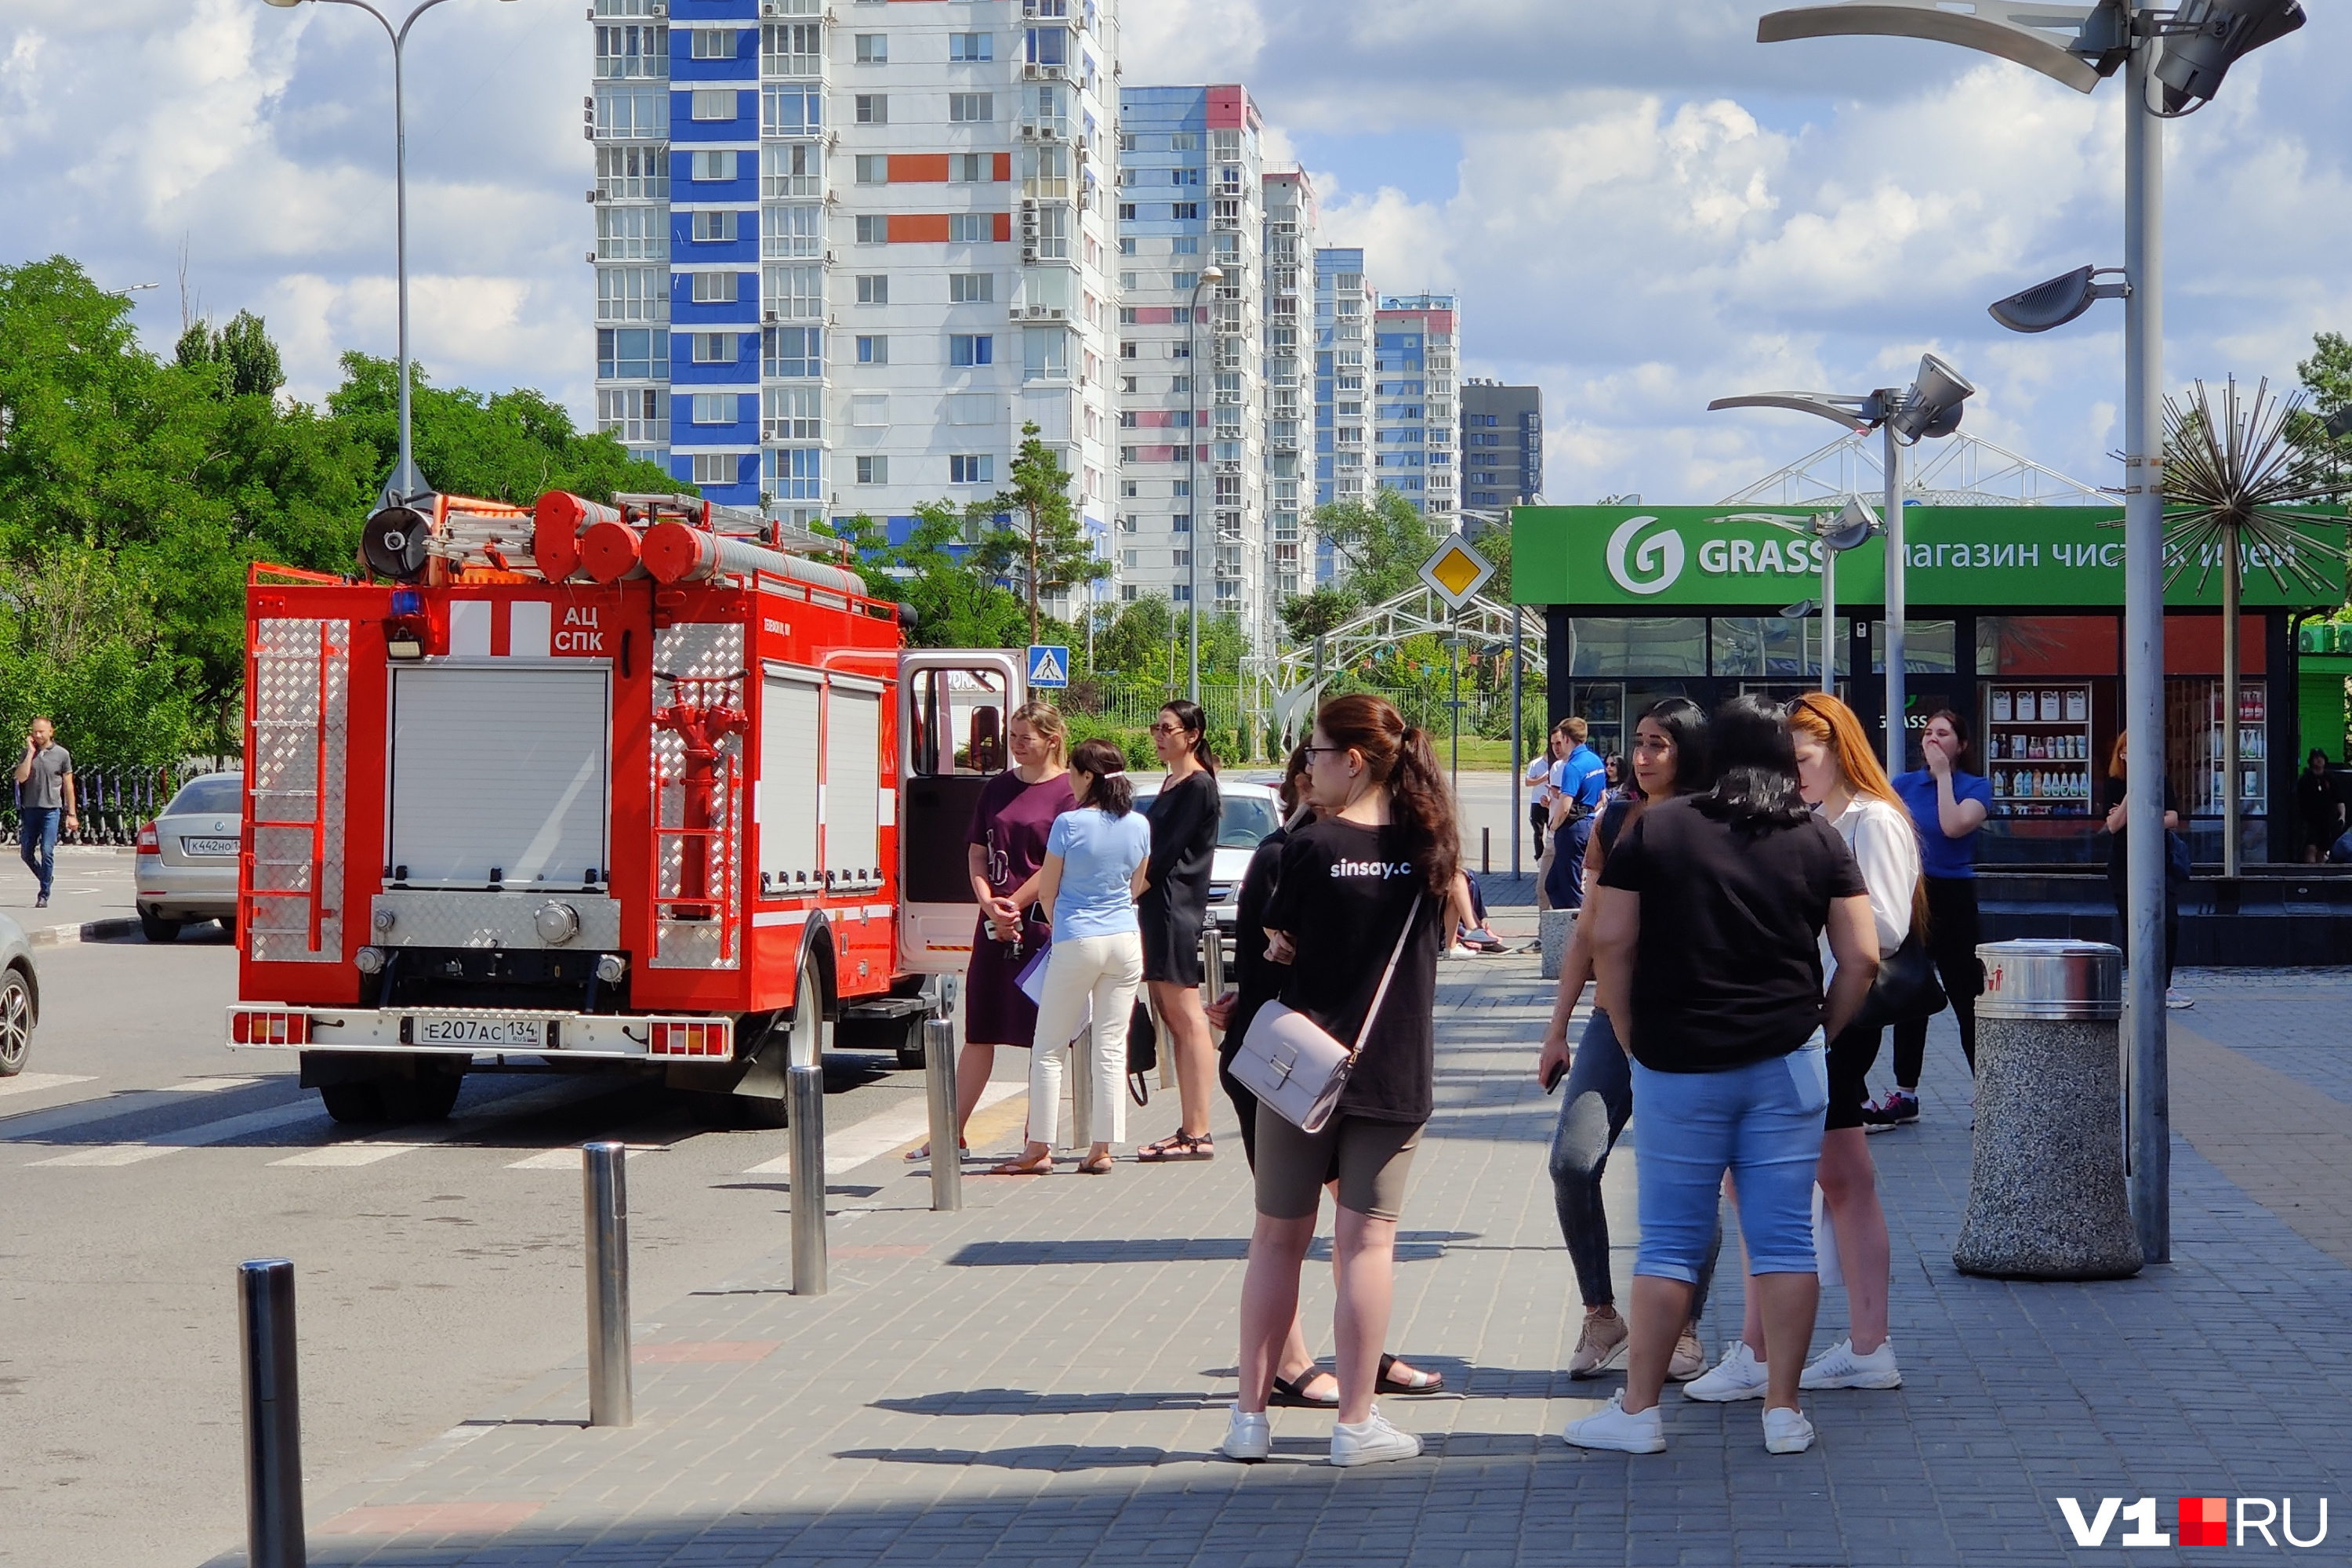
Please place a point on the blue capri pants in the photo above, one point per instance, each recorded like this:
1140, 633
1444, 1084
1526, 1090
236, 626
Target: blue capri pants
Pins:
1761, 1123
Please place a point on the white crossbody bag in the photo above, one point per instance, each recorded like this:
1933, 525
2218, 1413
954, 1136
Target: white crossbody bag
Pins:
1294, 1067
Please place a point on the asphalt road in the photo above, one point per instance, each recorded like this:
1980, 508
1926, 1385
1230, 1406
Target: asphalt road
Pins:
141, 1159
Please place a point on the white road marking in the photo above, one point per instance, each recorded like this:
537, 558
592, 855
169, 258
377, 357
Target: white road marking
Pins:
208, 1085
368, 1151
568, 1157
196, 1137
354, 1153
875, 1136
32, 1082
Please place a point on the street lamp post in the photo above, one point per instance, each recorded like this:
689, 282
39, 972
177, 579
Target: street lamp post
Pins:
2177, 60
1210, 274
404, 483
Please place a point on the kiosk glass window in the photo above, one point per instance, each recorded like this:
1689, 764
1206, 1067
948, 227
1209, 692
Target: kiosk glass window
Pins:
1623, 646
1775, 645
1930, 647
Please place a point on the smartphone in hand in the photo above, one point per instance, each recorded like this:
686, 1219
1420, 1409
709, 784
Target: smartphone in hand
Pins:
1551, 1078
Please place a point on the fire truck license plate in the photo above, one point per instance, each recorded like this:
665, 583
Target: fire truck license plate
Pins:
532, 1032
209, 846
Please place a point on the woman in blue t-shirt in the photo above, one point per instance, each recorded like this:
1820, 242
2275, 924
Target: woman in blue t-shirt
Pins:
1094, 860
1947, 807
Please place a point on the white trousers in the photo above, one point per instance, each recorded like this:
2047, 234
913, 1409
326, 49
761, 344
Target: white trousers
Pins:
1103, 971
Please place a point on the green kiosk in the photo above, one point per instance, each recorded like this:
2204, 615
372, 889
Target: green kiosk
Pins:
2015, 619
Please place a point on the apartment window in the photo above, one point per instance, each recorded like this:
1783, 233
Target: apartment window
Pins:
1183, 176
870, 411
977, 468
715, 407
1127, 246
872, 350
633, 174
873, 48
632, 294
1129, 490
873, 169
793, 48
792, 352
1127, 385
1045, 354
970, 47
713, 348
711, 229
714, 103
794, 293
631, 233
791, 413
964, 107
718, 469
1180, 384
1046, 172
1184, 212
874, 290
1053, 233
714, 288
968, 168
873, 228
795, 473
714, 44
1126, 281
636, 415
968, 228
1186, 281
793, 169
1128, 349
712, 166
971, 287
873, 470
638, 113
1125, 215
790, 111
627, 52
872, 109
792, 231
633, 354
970, 348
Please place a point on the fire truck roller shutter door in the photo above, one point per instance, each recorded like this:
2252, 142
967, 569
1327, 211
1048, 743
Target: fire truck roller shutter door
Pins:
499, 770
788, 800
853, 781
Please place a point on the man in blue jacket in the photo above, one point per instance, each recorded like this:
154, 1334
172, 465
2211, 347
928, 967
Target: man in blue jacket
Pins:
1578, 782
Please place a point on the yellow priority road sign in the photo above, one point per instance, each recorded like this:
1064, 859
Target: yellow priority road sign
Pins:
1457, 572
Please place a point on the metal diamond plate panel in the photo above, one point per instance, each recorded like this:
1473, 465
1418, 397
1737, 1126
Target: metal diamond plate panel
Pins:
300, 696
425, 918
706, 650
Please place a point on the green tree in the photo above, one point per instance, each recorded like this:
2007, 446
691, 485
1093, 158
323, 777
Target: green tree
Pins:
248, 359
1310, 616
1381, 544
2327, 377
956, 603
82, 642
1046, 548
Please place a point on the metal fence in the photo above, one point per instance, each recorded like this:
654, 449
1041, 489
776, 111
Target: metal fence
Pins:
112, 802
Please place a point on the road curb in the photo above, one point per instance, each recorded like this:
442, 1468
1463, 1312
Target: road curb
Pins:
88, 930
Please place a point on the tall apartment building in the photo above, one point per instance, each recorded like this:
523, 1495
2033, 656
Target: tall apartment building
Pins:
846, 251
1289, 250
1192, 453
1414, 342
1502, 445
1343, 429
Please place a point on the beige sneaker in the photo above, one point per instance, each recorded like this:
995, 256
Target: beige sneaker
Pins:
1600, 1346
1689, 1358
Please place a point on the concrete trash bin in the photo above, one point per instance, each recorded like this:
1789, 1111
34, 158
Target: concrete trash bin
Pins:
2046, 1196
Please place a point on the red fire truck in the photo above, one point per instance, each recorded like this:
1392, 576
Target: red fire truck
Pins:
646, 786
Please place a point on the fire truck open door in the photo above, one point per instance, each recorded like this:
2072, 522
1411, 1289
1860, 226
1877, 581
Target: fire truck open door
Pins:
953, 711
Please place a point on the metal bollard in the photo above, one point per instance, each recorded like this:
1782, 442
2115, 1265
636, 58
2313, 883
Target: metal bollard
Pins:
940, 1089
1212, 959
605, 1192
1082, 1090
273, 1415
1485, 852
806, 1087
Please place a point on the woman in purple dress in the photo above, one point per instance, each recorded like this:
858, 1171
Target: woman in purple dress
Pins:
1006, 847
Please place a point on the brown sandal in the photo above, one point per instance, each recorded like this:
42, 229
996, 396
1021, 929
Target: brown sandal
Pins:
1095, 1165
1176, 1146
1021, 1166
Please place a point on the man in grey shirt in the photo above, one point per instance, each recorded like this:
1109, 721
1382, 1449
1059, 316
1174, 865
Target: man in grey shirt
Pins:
45, 791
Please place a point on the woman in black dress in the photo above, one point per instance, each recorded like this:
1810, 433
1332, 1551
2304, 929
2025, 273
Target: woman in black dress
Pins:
1184, 818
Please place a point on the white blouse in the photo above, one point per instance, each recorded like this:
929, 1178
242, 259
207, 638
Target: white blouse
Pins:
1885, 845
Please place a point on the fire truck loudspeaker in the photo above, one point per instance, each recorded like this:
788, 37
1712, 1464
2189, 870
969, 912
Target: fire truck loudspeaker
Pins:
393, 543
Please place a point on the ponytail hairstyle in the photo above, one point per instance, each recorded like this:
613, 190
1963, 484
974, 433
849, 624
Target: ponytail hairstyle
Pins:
1684, 723
1755, 785
1195, 723
1830, 723
1109, 789
1397, 756
1293, 771
1052, 728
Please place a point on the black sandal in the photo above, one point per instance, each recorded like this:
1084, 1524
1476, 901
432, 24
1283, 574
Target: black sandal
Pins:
1176, 1146
1290, 1392
1430, 1381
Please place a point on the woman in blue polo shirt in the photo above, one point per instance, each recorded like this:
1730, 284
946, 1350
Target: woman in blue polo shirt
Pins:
1948, 807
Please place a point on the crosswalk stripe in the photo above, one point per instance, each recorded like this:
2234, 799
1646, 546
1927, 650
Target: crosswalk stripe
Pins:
355, 1153
209, 1085
877, 1135
110, 1154
568, 1157
370, 1151
32, 1082
196, 1137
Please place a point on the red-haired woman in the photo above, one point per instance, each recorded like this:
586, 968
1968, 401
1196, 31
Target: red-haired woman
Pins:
1379, 867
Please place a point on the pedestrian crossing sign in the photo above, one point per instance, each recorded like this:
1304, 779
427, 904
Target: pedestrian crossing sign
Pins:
1049, 664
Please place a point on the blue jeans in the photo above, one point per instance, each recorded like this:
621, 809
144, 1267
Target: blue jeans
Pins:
1761, 1123
1594, 1105
38, 841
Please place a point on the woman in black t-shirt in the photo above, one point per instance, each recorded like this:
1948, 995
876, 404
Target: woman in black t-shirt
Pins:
1184, 820
1379, 866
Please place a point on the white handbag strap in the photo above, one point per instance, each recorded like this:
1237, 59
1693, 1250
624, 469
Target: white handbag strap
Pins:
1395, 957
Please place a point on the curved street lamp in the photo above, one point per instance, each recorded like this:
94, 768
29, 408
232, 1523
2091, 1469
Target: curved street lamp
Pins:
2178, 58
404, 483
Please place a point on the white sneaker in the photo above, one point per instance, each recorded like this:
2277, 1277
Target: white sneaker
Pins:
1370, 1441
1612, 1428
1840, 1367
1739, 1376
1248, 1437
2179, 1000
1787, 1431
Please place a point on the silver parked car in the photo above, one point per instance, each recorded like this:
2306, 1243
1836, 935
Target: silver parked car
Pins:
187, 858
20, 997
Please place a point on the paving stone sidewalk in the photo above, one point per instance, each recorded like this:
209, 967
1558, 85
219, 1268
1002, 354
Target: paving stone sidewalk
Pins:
1042, 1378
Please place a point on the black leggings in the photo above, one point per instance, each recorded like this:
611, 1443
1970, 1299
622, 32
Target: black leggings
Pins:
1952, 943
